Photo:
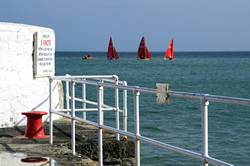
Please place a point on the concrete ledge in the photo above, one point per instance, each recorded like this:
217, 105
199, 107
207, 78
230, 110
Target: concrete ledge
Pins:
115, 152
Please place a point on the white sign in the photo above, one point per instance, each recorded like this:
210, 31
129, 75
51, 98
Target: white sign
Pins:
44, 54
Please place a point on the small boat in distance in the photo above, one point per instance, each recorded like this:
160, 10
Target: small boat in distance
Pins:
143, 52
170, 51
87, 57
112, 53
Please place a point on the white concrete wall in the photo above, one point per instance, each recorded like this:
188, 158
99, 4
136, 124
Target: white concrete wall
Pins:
19, 91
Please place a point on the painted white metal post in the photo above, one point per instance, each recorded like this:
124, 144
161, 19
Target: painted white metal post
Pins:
137, 127
84, 100
100, 122
67, 95
102, 101
73, 140
117, 109
50, 113
204, 119
125, 108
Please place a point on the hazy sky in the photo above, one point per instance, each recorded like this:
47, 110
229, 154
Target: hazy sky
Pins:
85, 25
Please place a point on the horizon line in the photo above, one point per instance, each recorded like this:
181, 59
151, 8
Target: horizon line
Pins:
159, 51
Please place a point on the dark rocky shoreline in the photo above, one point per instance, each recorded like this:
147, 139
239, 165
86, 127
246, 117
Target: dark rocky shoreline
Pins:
114, 152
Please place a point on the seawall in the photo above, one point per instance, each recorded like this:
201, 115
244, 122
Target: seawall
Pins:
22, 89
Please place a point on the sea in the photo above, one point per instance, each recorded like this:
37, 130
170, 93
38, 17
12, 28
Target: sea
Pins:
179, 122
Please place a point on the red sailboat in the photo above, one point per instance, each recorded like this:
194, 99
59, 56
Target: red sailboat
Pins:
143, 52
112, 53
170, 51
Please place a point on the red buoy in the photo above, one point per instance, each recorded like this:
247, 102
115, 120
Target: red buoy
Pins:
34, 128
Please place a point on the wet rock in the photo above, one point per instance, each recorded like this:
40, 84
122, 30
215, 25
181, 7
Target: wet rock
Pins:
114, 152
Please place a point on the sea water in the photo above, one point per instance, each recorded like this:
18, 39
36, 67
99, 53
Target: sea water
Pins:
178, 123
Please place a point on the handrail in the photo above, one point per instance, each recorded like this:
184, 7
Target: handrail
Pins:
112, 81
156, 143
187, 95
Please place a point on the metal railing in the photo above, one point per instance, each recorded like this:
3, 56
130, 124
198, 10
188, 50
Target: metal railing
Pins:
112, 81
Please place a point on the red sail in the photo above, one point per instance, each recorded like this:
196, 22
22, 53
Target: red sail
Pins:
170, 51
112, 54
143, 52
147, 53
116, 56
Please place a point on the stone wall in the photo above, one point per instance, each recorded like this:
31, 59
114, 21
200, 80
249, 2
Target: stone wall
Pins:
20, 91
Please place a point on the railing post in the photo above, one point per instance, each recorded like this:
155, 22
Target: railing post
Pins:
67, 94
84, 99
73, 141
117, 108
50, 113
137, 127
100, 122
204, 119
125, 108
